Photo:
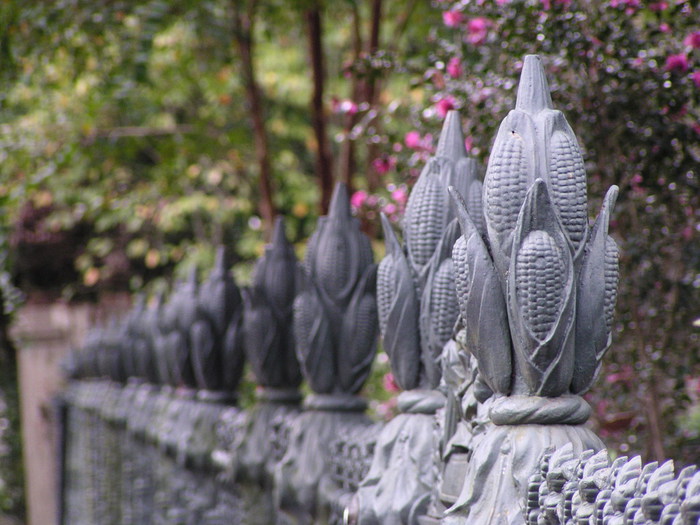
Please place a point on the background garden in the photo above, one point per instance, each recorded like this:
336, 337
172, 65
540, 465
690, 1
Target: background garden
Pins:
137, 136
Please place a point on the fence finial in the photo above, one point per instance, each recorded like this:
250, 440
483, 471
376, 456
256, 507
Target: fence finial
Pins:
537, 295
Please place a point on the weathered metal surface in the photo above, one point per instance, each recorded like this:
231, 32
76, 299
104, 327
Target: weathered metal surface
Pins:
335, 317
536, 296
216, 334
592, 489
417, 313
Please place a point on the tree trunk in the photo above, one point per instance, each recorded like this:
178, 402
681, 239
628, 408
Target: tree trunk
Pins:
243, 34
318, 115
372, 91
346, 164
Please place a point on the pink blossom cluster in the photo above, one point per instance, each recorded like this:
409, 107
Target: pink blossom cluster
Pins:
370, 205
414, 141
454, 67
477, 28
680, 62
445, 104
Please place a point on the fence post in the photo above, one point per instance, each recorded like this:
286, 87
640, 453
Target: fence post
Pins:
335, 320
537, 297
418, 310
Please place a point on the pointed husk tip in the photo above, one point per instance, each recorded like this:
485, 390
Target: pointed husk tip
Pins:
533, 90
340, 202
451, 141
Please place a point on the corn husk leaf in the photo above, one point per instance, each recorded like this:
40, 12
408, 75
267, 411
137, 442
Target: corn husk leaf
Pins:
593, 333
233, 353
401, 334
482, 304
314, 341
541, 296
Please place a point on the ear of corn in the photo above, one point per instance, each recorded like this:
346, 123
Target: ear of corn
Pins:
510, 168
482, 304
259, 333
462, 274
275, 272
538, 284
568, 183
426, 215
541, 296
341, 252
451, 142
386, 290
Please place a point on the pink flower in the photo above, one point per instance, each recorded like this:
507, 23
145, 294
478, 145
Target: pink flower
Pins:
413, 140
658, 6
696, 78
664, 27
693, 40
390, 383
469, 144
454, 67
399, 195
444, 105
452, 18
383, 165
390, 209
677, 63
358, 199
477, 30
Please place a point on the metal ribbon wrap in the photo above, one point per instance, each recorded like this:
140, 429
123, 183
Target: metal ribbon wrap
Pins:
534, 410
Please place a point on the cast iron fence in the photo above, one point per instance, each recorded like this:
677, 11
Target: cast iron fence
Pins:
495, 311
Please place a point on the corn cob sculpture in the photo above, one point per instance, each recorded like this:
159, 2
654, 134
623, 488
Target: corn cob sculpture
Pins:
216, 334
269, 343
537, 294
417, 314
335, 327
415, 286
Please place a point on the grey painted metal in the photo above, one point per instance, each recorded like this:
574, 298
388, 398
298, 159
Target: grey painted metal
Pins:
417, 313
591, 489
268, 321
335, 326
268, 332
216, 334
536, 296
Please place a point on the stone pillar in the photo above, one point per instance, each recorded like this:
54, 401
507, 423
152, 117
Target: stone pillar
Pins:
45, 334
